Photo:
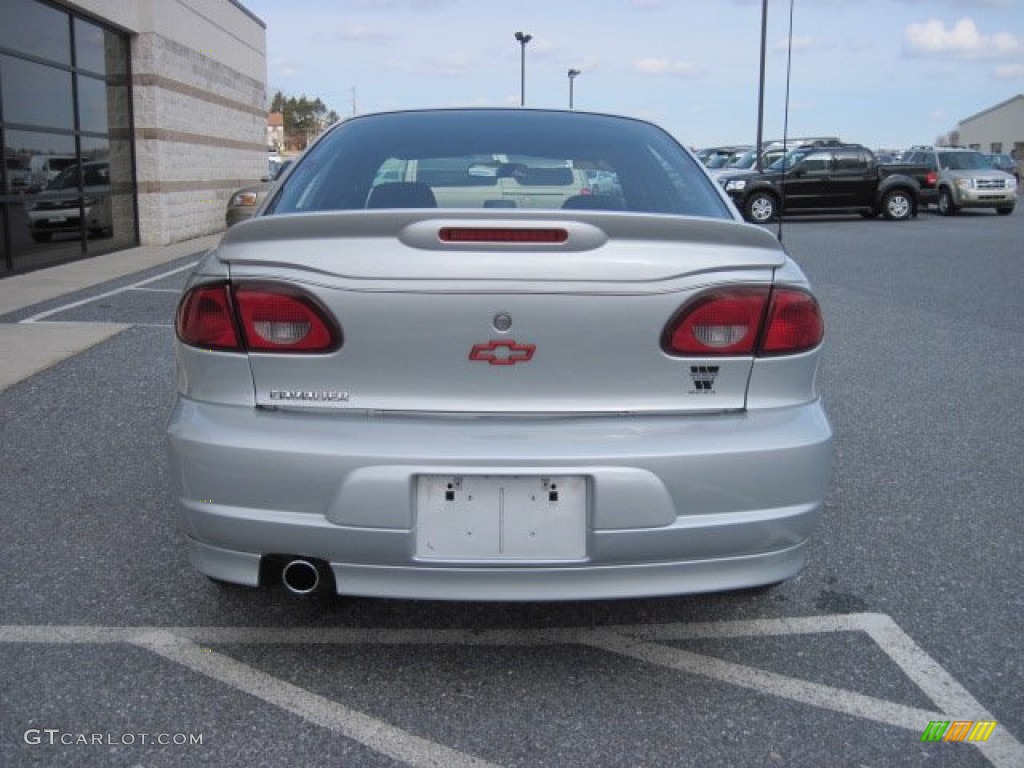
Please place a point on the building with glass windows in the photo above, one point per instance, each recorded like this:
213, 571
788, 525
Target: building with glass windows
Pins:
124, 122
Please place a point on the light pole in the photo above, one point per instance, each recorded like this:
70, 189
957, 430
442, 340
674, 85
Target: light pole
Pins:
760, 87
523, 40
572, 76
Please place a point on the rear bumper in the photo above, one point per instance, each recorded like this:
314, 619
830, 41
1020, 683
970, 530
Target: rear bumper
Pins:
674, 504
526, 583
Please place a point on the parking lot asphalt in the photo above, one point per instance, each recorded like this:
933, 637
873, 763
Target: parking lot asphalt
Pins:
116, 653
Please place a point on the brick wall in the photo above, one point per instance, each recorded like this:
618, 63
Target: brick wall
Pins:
199, 101
199, 128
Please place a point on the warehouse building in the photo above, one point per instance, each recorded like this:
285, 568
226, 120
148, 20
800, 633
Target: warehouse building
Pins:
124, 122
997, 129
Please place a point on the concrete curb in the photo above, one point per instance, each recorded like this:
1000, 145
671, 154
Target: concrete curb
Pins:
42, 285
28, 348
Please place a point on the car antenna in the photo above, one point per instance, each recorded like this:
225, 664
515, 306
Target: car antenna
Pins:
785, 117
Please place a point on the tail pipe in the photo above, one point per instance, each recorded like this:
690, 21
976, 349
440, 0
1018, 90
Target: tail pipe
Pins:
302, 576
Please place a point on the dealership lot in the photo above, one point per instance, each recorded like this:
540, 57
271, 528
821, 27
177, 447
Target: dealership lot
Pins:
909, 612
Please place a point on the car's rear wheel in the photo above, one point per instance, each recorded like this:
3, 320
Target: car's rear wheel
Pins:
897, 205
761, 207
946, 205
1005, 211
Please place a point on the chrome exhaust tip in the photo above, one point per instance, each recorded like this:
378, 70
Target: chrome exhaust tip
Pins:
301, 577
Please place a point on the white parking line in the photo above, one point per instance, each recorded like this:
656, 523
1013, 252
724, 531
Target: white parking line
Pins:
187, 646
369, 731
814, 694
82, 302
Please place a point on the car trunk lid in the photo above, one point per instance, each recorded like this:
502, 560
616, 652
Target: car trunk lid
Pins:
510, 314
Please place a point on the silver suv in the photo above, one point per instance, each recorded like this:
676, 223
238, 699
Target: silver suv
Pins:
966, 179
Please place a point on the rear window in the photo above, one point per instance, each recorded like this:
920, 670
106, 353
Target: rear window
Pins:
498, 158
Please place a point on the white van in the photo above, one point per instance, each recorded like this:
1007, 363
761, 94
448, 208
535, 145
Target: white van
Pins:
45, 167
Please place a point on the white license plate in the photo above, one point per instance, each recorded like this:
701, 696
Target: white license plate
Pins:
501, 517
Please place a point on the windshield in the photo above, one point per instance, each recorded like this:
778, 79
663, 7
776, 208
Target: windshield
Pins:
788, 161
65, 179
963, 161
744, 160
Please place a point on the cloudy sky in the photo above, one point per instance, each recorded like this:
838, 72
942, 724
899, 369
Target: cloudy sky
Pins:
886, 73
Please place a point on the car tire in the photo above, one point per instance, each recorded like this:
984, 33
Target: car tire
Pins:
42, 237
1004, 211
946, 205
760, 208
897, 205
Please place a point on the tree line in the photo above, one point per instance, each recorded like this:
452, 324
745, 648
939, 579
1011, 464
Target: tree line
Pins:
304, 118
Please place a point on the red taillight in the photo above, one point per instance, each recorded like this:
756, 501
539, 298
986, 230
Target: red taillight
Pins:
254, 318
279, 321
930, 178
719, 323
746, 321
794, 324
205, 319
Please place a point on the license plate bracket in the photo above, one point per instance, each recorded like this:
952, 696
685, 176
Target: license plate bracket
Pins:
501, 517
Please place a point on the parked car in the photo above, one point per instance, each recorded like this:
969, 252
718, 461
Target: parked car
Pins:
388, 389
492, 180
747, 161
19, 177
244, 202
60, 207
716, 157
825, 178
964, 178
45, 168
604, 183
1006, 163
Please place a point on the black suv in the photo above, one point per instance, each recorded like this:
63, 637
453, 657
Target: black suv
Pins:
825, 177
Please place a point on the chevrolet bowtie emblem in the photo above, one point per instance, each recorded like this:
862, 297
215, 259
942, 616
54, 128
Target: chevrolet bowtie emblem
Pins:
502, 352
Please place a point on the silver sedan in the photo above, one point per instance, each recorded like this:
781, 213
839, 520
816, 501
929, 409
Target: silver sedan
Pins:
433, 367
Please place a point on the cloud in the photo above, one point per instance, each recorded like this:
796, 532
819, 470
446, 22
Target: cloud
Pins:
962, 3
283, 67
665, 66
799, 44
1010, 72
402, 5
453, 65
362, 33
963, 40
450, 65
